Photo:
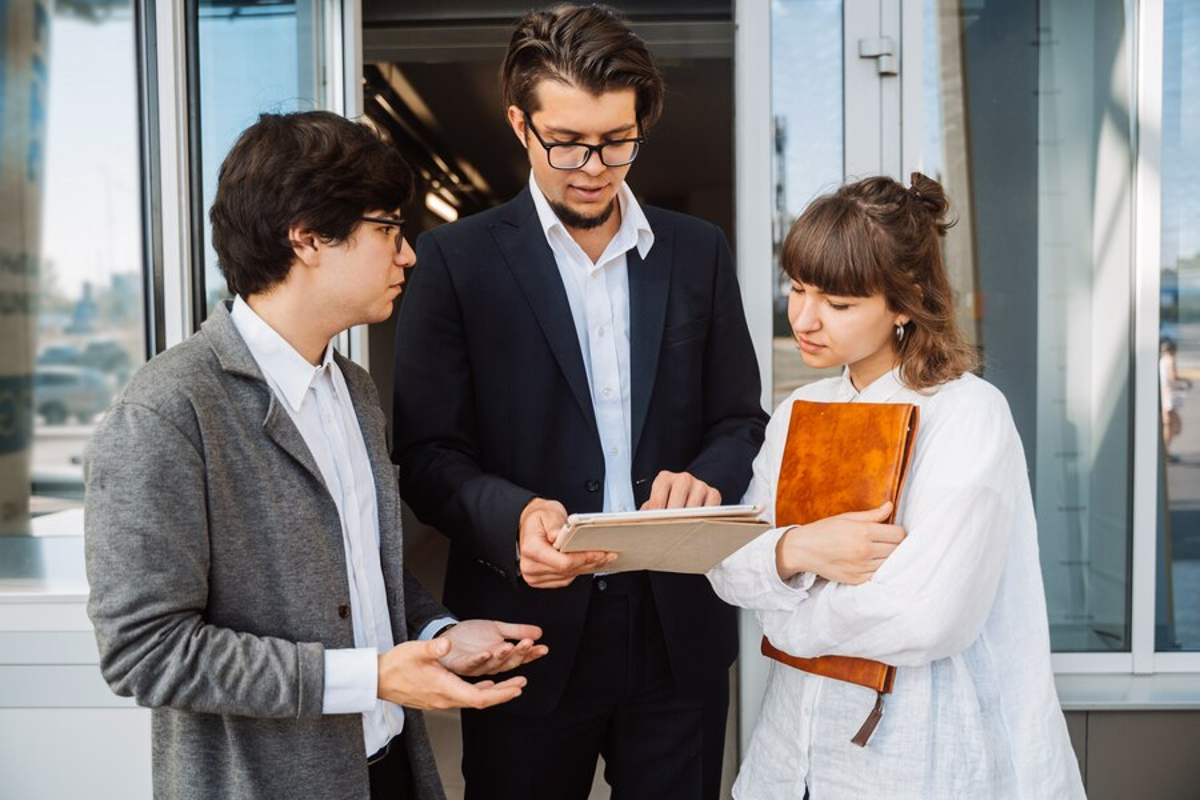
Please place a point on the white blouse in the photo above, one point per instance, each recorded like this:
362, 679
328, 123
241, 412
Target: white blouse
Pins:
958, 607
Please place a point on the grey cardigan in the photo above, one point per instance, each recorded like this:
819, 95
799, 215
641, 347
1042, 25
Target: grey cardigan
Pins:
218, 578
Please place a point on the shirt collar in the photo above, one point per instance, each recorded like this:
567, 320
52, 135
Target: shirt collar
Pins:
635, 229
287, 371
883, 389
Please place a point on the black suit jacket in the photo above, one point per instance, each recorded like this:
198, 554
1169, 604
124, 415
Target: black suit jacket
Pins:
493, 408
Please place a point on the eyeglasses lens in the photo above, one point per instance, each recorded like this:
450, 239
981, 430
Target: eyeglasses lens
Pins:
617, 154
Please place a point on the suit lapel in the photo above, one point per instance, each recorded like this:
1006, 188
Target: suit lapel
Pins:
280, 429
649, 281
235, 358
523, 242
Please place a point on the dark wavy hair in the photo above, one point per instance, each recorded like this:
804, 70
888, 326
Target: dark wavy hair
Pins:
877, 237
314, 169
588, 46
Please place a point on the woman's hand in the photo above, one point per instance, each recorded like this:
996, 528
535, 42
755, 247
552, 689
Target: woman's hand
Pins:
848, 548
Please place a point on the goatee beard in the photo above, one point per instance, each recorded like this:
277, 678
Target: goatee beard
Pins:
573, 219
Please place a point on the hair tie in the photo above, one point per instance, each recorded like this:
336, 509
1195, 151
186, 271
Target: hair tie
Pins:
915, 192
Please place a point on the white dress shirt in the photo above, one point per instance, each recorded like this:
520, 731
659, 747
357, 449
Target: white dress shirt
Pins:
958, 607
318, 402
598, 293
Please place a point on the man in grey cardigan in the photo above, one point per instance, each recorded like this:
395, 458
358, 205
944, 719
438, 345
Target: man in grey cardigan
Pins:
243, 521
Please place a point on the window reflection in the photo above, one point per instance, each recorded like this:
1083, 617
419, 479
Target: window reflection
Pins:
1035, 154
1179, 351
71, 291
806, 98
254, 58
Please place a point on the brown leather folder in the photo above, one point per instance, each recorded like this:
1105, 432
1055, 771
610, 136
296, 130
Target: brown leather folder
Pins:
843, 457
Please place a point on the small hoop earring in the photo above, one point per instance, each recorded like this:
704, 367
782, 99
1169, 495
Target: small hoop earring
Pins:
899, 333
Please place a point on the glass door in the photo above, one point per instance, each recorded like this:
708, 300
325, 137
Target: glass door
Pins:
821, 78
835, 115
252, 57
1036, 156
1024, 114
809, 152
1178, 574
1022, 110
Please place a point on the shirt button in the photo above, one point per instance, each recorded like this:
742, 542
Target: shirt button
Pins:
343, 611
616, 451
602, 585
606, 391
592, 485
601, 330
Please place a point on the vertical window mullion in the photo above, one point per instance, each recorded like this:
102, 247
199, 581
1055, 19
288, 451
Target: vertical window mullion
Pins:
190, 59
754, 131
151, 176
1147, 245
173, 180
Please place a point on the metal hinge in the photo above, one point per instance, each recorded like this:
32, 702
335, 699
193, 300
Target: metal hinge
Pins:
881, 50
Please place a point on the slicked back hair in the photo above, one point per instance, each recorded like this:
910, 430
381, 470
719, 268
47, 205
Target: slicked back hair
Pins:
587, 46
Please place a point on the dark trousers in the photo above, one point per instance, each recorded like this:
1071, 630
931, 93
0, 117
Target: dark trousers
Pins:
391, 776
621, 702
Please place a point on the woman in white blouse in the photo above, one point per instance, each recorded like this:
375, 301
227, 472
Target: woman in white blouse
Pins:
958, 606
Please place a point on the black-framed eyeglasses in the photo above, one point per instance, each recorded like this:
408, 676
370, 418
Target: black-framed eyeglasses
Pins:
573, 155
397, 223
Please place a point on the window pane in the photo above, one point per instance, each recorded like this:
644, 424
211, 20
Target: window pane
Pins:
1033, 146
255, 58
71, 278
1179, 360
806, 98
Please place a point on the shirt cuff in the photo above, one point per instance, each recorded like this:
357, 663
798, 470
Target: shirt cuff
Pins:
750, 579
431, 630
351, 680
795, 587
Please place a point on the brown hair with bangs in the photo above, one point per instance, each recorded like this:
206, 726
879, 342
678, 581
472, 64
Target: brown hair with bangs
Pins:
587, 46
877, 237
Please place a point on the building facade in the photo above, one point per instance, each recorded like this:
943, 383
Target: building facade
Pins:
1067, 135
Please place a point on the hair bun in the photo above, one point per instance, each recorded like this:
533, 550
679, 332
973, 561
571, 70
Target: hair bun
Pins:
930, 195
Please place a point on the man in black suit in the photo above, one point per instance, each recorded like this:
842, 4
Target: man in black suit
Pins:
571, 351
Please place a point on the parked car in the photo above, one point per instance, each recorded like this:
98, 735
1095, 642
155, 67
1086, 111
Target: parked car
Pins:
60, 355
61, 392
106, 356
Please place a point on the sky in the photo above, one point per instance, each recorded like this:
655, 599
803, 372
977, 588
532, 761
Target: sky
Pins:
806, 91
91, 223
